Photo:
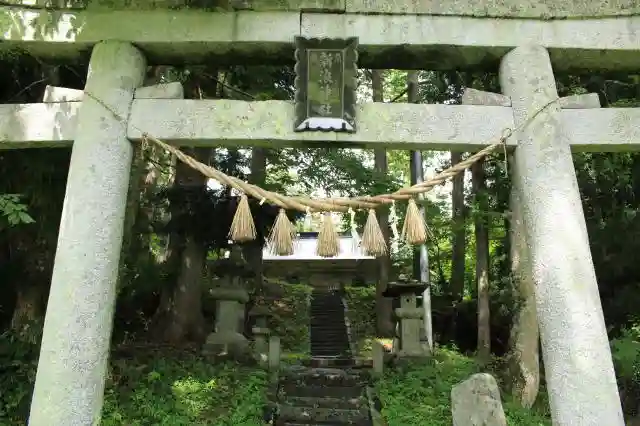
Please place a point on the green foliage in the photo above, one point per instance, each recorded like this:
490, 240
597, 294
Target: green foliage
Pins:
13, 212
18, 361
160, 388
419, 393
290, 318
626, 357
361, 303
183, 390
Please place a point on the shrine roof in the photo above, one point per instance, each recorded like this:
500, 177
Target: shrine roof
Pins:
305, 249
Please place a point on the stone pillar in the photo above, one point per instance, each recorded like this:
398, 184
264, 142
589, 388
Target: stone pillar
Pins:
410, 323
578, 366
260, 330
77, 331
274, 355
227, 339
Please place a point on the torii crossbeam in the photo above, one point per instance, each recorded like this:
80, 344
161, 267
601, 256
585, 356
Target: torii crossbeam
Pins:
75, 345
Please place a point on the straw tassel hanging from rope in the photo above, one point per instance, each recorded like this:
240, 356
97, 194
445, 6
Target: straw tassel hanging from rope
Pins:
243, 228
414, 230
355, 238
282, 235
373, 243
328, 240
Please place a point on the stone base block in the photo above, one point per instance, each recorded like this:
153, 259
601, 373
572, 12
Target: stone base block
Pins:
226, 343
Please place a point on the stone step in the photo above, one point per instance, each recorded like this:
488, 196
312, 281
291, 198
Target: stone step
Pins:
328, 402
329, 339
321, 377
338, 349
330, 352
340, 362
292, 389
328, 331
303, 415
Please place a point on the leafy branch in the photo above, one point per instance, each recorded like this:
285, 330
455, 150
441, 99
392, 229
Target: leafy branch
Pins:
13, 211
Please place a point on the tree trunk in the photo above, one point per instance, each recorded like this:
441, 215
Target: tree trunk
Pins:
482, 261
179, 317
458, 245
384, 305
524, 360
186, 321
28, 314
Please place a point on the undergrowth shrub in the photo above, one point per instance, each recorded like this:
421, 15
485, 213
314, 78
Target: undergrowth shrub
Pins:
164, 387
18, 362
361, 305
419, 393
626, 357
290, 318
183, 390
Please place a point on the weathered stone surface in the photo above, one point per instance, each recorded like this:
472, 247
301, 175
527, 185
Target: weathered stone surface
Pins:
77, 331
402, 126
228, 122
385, 41
577, 358
445, 42
476, 402
542, 9
270, 123
61, 94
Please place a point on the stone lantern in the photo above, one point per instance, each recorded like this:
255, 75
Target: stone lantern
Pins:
408, 316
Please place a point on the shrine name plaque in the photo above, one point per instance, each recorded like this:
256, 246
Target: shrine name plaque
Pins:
325, 84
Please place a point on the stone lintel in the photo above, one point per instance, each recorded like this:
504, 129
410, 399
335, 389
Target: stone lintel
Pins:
269, 123
446, 42
536, 9
401, 41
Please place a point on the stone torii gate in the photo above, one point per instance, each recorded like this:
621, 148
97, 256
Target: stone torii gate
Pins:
73, 360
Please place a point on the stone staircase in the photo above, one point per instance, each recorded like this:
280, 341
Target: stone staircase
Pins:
329, 390
329, 337
323, 396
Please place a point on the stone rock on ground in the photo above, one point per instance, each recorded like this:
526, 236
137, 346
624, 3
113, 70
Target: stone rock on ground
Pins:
476, 402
